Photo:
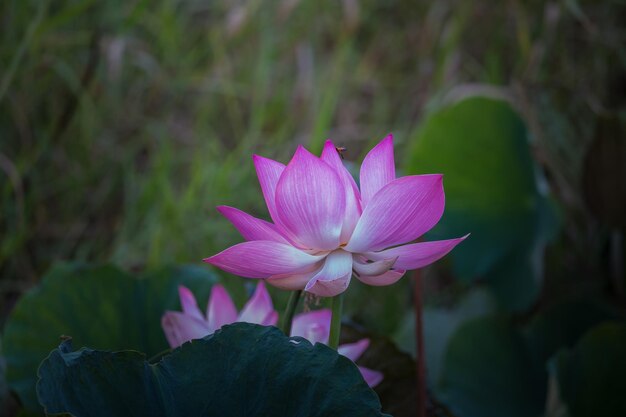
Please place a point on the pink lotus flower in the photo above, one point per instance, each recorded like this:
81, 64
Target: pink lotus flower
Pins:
325, 229
315, 327
180, 327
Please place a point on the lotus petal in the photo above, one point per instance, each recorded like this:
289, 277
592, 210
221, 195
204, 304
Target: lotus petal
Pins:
294, 281
268, 171
353, 199
188, 303
180, 328
377, 170
390, 277
417, 255
371, 376
262, 259
353, 351
250, 227
221, 309
372, 268
259, 309
400, 212
311, 201
334, 277
312, 325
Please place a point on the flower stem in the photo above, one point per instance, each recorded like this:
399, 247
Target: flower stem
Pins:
335, 321
419, 335
289, 311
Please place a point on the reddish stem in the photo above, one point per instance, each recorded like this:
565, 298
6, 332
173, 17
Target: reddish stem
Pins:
419, 339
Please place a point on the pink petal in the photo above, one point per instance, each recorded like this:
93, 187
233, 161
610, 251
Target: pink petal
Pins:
372, 268
401, 211
417, 255
180, 328
268, 171
371, 376
262, 259
334, 277
271, 320
221, 309
311, 201
259, 309
388, 278
353, 351
294, 281
353, 198
377, 169
250, 227
312, 325
188, 303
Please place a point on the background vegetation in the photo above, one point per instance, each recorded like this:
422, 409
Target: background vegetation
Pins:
124, 123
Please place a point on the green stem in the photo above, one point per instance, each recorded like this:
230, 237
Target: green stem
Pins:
335, 321
289, 311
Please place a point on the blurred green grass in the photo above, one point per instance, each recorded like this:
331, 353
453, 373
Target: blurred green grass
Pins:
124, 123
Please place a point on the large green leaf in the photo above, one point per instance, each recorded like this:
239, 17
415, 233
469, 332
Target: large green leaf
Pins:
488, 372
591, 375
481, 146
440, 323
100, 307
493, 367
241, 370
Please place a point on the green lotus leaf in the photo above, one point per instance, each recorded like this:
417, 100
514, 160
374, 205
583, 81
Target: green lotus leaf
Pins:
241, 370
591, 375
101, 307
489, 372
481, 146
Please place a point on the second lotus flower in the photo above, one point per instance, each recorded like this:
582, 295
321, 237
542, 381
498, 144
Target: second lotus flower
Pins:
180, 327
325, 228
